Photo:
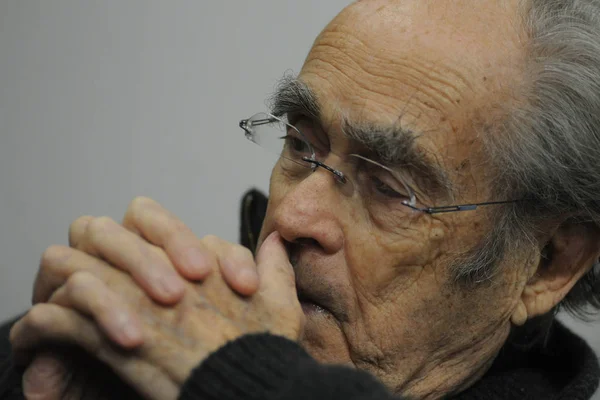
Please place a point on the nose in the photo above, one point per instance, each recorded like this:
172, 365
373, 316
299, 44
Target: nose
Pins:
311, 211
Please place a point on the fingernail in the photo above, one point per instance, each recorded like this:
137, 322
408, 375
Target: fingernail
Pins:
249, 276
131, 333
230, 265
196, 261
244, 274
43, 374
46, 366
127, 328
171, 284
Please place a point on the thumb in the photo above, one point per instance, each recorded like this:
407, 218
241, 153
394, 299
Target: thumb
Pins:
276, 275
45, 378
277, 288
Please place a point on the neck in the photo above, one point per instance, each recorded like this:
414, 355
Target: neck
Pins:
456, 370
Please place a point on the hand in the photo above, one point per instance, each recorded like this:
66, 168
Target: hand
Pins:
175, 249
64, 378
175, 339
158, 269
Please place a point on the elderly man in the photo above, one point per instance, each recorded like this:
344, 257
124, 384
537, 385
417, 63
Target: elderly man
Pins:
435, 202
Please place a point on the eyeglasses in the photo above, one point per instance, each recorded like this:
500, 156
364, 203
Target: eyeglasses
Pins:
300, 151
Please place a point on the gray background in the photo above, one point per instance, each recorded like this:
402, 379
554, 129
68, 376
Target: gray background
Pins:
101, 101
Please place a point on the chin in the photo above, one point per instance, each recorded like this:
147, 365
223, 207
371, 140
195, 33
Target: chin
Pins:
323, 339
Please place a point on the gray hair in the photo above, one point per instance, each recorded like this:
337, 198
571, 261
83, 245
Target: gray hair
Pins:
548, 146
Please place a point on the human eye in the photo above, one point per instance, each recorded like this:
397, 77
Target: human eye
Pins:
383, 184
294, 143
389, 187
386, 189
309, 130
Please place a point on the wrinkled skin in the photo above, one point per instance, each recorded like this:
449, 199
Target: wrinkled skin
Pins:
97, 305
435, 69
380, 274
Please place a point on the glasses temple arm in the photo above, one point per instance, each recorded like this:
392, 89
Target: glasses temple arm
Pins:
458, 207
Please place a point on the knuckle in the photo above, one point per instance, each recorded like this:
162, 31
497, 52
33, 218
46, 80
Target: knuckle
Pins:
177, 234
287, 280
77, 281
83, 220
135, 209
130, 212
241, 253
98, 227
54, 254
179, 227
38, 317
286, 272
101, 223
140, 203
78, 227
211, 240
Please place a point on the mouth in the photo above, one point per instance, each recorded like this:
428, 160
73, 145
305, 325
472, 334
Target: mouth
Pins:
309, 305
314, 294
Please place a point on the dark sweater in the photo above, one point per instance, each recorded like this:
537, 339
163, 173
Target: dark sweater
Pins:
270, 367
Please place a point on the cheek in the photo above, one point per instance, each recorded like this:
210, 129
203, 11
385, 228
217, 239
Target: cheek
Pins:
424, 323
381, 259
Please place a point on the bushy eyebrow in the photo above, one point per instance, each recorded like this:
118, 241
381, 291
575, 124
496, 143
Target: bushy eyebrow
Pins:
294, 96
393, 145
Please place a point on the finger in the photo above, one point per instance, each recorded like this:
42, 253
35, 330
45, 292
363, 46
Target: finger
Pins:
163, 229
90, 296
53, 323
273, 263
149, 267
147, 264
236, 265
193, 258
278, 286
77, 229
45, 378
46, 322
59, 262
274, 269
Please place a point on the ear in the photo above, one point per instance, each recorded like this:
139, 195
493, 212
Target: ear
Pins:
569, 254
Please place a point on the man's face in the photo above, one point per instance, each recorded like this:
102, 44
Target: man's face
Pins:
374, 276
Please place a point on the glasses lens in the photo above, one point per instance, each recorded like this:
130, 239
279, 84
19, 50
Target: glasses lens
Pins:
280, 138
384, 188
383, 185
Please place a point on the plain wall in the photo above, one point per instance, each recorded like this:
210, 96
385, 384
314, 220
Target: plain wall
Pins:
101, 101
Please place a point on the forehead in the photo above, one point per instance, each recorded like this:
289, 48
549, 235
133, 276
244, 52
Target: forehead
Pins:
430, 65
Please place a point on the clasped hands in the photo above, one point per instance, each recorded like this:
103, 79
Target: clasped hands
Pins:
151, 300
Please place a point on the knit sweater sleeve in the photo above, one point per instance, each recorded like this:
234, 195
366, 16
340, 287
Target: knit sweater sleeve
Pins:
264, 366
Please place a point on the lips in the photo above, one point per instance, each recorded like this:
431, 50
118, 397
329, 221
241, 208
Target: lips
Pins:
309, 304
317, 283
317, 295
